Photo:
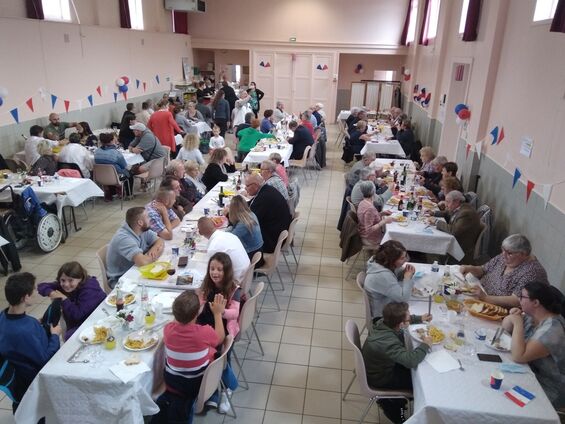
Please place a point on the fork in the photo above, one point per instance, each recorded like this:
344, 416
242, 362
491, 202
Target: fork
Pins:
460, 365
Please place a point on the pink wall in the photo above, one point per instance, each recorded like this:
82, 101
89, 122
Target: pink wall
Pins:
371, 63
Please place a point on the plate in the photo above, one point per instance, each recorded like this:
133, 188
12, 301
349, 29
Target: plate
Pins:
502, 345
129, 298
220, 221
94, 335
416, 329
140, 340
423, 292
166, 299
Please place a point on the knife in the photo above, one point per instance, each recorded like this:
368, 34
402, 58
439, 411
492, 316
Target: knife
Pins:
496, 335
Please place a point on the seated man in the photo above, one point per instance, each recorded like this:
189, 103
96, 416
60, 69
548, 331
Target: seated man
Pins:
368, 174
432, 179
505, 275
388, 361
162, 217
30, 146
133, 244
271, 209
301, 139
353, 175
270, 176
359, 136
464, 223
56, 129
23, 340
405, 137
182, 205
146, 144
223, 241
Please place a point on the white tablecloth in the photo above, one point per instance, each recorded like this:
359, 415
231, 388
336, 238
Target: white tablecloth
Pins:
383, 147
343, 115
258, 157
465, 396
398, 164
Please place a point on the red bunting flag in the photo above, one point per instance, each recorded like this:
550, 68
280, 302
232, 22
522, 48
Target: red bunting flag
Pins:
468, 150
501, 136
29, 104
99, 91
529, 187
67, 104
144, 86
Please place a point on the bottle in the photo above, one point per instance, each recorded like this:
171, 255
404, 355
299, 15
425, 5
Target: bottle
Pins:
238, 182
144, 295
410, 204
221, 197
246, 168
404, 175
401, 203
435, 267
395, 176
120, 303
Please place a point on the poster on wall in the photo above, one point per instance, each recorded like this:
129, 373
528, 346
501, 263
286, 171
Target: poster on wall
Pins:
186, 69
527, 146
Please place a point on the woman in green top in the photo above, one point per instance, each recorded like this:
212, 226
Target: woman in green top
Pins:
388, 361
256, 96
249, 137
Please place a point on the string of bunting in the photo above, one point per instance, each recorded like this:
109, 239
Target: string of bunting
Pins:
497, 135
44, 94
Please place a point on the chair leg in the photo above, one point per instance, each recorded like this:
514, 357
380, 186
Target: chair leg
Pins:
289, 269
366, 411
293, 254
74, 219
349, 385
352, 265
274, 293
280, 278
258, 339
246, 387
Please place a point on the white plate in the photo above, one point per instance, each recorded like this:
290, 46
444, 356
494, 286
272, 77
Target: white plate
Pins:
166, 299
146, 336
197, 277
422, 292
87, 335
503, 345
413, 330
125, 294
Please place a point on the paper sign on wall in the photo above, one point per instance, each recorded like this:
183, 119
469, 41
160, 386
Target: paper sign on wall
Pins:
527, 146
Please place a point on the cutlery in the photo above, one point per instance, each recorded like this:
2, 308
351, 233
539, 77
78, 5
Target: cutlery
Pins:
496, 335
72, 359
106, 312
497, 339
460, 365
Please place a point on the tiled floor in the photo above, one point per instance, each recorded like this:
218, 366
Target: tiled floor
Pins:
307, 363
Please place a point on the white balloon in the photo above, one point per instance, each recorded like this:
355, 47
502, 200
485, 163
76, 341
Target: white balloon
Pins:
3, 92
407, 72
459, 121
120, 82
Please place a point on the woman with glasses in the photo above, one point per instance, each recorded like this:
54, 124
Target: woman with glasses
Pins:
504, 276
387, 279
538, 336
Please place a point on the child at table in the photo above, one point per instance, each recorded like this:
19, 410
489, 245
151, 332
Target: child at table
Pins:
189, 349
23, 340
76, 294
216, 141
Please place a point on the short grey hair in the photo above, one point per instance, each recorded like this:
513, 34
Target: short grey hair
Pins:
369, 155
366, 172
269, 165
367, 189
172, 166
455, 195
440, 160
517, 243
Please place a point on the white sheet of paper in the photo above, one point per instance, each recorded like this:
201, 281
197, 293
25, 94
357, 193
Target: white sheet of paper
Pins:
441, 361
127, 373
527, 146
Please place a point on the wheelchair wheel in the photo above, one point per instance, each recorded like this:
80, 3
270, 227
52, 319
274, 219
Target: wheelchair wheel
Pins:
49, 233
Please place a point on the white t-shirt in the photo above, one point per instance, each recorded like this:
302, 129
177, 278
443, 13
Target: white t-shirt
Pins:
30, 148
194, 155
221, 241
217, 142
75, 153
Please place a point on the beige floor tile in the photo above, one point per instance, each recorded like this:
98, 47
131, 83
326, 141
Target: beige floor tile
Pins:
269, 332
328, 307
322, 403
272, 317
309, 260
325, 357
310, 419
272, 417
326, 338
327, 322
309, 269
324, 379
331, 282
256, 397
300, 319
306, 280
293, 354
304, 291
297, 335
352, 296
270, 349
246, 415
290, 375
301, 305
286, 399
353, 310
347, 360
329, 294
258, 371
331, 271
6, 416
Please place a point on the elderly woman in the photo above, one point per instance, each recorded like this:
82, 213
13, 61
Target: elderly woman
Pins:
538, 337
505, 275
190, 149
359, 136
387, 281
277, 158
427, 155
216, 169
46, 164
182, 121
371, 224
193, 114
75, 152
194, 185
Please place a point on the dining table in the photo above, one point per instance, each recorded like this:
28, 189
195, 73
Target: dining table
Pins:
89, 383
452, 385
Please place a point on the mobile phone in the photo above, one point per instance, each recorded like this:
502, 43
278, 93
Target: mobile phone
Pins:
488, 357
183, 261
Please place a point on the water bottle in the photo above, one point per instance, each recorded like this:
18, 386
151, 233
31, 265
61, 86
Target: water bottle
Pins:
435, 267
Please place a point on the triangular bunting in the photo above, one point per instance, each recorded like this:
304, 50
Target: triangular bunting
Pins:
157, 79
479, 147
267, 65
79, 104
99, 91
67, 104
53, 101
529, 187
115, 97
42, 93
319, 67
501, 136
546, 193
517, 175
325, 67
261, 63
467, 151
144, 86
29, 103
494, 134
14, 113
137, 82
90, 100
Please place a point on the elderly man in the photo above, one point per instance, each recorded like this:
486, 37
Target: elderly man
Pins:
353, 175
432, 179
301, 139
182, 205
368, 174
133, 244
316, 112
279, 114
271, 178
146, 144
223, 241
56, 129
176, 168
464, 223
352, 116
271, 209
405, 137
143, 115
162, 217
30, 146
361, 116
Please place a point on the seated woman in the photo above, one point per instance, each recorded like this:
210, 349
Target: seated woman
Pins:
358, 137
87, 138
388, 361
538, 337
281, 171
371, 224
182, 121
108, 154
267, 122
249, 137
194, 187
427, 155
47, 163
75, 152
216, 170
193, 114
504, 276
190, 149
79, 294
245, 226
386, 281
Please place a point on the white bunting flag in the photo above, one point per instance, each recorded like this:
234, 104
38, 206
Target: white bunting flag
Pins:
546, 193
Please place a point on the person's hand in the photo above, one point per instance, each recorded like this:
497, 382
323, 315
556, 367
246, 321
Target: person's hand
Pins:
441, 205
56, 330
409, 271
161, 208
513, 319
464, 269
428, 340
218, 305
431, 221
56, 294
515, 311
388, 219
479, 292
386, 213
427, 317
136, 150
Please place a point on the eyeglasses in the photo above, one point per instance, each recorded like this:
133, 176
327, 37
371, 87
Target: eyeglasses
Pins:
507, 252
521, 296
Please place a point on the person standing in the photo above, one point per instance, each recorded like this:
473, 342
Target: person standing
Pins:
144, 115
163, 125
126, 134
256, 96
222, 112
229, 94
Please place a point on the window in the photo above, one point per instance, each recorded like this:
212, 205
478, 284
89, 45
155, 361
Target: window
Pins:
433, 21
463, 19
412, 23
389, 75
136, 14
56, 10
238, 74
545, 9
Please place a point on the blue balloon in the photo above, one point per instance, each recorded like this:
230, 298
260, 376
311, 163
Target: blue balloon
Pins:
1, 101
460, 107
123, 88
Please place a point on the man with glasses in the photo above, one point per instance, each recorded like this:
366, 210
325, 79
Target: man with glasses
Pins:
271, 178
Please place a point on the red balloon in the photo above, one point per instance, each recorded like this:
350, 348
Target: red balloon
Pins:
126, 80
464, 114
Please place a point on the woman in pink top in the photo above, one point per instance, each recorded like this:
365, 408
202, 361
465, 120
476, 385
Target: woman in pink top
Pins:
371, 224
163, 125
281, 172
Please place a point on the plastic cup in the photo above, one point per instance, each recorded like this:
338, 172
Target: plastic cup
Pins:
496, 378
481, 334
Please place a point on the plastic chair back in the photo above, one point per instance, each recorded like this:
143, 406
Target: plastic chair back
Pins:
477, 253
352, 334
248, 276
106, 175
247, 313
101, 256
69, 165
156, 168
70, 173
361, 284
272, 259
291, 231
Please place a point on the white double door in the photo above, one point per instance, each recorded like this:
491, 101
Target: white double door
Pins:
299, 80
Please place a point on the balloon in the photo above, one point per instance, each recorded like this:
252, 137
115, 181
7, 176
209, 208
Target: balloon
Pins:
464, 114
460, 107
407, 71
123, 88
1, 101
126, 80
120, 82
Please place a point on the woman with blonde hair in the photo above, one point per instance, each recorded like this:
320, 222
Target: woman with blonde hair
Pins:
46, 164
192, 178
189, 149
427, 155
244, 224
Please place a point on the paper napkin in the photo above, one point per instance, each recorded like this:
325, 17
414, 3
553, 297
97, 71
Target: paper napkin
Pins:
441, 361
515, 368
126, 373
519, 396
